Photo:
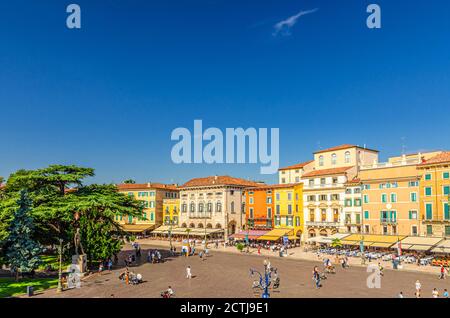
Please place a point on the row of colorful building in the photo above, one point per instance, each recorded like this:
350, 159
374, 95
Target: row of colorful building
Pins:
344, 189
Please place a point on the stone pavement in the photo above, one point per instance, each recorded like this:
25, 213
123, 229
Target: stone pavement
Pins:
227, 275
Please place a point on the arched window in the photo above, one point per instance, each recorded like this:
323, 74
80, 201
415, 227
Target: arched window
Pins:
209, 207
232, 207
218, 207
347, 157
321, 161
184, 225
333, 159
184, 207
192, 225
192, 207
200, 207
200, 226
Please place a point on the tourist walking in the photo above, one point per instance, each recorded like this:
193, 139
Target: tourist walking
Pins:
400, 295
442, 276
259, 249
316, 277
380, 268
110, 264
188, 272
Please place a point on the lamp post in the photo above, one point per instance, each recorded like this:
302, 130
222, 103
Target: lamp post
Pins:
361, 248
59, 289
264, 281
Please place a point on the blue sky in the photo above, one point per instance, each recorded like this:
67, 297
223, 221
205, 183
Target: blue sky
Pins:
108, 96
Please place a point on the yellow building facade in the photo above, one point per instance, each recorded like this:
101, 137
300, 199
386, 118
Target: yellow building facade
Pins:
171, 210
435, 195
151, 196
288, 205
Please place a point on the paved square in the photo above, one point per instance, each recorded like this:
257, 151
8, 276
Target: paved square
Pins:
227, 275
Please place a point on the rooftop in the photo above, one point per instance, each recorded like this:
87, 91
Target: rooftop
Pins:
296, 166
326, 172
344, 146
146, 186
443, 157
219, 180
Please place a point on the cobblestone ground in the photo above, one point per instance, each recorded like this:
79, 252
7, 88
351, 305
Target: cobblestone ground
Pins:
227, 275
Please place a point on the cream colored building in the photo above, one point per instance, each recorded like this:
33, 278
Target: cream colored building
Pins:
214, 202
151, 196
324, 186
391, 195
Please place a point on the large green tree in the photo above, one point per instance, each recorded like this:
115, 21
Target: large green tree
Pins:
21, 251
58, 195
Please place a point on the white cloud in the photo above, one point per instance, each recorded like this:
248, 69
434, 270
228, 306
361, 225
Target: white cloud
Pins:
284, 27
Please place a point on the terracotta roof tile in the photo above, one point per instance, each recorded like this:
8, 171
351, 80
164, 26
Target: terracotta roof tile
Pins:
440, 158
273, 186
345, 146
325, 172
219, 180
144, 186
296, 166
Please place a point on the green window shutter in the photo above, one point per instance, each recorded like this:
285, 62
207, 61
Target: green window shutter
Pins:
429, 229
366, 214
446, 211
428, 176
428, 191
410, 215
429, 211
446, 190
446, 175
447, 230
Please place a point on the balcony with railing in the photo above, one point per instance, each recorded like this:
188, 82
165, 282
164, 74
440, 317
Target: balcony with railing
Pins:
322, 223
387, 221
200, 215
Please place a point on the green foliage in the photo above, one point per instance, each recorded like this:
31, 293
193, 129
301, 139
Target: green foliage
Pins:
58, 194
336, 243
129, 181
240, 247
21, 251
9, 287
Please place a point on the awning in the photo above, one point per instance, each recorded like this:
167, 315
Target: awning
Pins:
442, 247
252, 234
328, 239
195, 231
275, 234
137, 228
164, 229
385, 241
417, 243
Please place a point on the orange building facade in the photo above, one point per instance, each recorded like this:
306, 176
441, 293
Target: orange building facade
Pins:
259, 207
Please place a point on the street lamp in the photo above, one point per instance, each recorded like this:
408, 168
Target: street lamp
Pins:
60, 266
264, 282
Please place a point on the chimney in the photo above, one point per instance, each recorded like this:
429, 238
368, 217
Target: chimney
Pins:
149, 184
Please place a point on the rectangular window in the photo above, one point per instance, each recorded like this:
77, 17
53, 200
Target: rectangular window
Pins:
446, 211
366, 198
278, 197
269, 213
357, 202
429, 211
250, 200
277, 221
413, 215
446, 175
446, 190
366, 215
278, 209
289, 209
413, 196
348, 202
429, 230
413, 183
384, 198
393, 197
428, 176
289, 196
251, 213
428, 191
447, 230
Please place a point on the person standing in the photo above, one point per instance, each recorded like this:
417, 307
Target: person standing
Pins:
259, 249
188, 272
110, 264
418, 287
316, 277
435, 293
400, 295
445, 294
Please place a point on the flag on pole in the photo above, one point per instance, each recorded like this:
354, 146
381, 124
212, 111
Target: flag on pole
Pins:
399, 248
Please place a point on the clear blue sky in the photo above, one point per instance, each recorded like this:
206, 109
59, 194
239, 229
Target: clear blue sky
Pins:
108, 96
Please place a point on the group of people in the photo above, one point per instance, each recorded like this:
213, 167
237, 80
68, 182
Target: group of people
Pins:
108, 264
154, 256
130, 277
417, 294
